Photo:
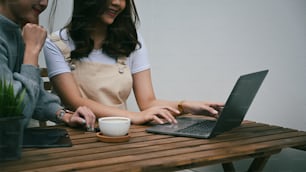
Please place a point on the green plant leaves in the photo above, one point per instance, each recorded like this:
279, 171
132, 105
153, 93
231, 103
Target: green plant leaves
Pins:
10, 105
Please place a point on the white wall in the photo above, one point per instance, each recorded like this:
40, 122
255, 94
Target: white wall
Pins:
62, 16
198, 48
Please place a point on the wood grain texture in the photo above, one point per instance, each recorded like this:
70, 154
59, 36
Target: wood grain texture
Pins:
151, 152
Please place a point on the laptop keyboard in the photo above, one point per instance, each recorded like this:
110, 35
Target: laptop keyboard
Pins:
200, 127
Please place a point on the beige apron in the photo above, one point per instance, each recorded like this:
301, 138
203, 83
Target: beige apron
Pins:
105, 83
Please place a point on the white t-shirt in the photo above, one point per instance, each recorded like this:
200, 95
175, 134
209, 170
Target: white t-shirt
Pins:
138, 60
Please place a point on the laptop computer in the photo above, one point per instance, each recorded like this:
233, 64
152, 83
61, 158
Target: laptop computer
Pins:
230, 117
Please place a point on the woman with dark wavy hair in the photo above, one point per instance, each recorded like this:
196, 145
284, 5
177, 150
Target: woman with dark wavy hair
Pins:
99, 57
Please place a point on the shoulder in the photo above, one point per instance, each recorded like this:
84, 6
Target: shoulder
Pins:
140, 37
139, 60
9, 31
140, 50
61, 34
60, 38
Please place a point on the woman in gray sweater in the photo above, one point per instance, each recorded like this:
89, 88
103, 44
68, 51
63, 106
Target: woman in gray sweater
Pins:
21, 40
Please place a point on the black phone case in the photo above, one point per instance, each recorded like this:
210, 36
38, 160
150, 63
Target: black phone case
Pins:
46, 138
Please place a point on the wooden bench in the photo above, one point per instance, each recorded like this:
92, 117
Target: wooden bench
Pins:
44, 75
47, 86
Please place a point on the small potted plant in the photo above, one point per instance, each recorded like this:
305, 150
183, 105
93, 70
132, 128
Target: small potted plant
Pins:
11, 118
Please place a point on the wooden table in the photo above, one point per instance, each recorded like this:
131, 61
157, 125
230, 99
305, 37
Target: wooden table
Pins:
151, 152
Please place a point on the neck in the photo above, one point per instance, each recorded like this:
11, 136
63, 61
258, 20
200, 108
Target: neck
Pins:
98, 34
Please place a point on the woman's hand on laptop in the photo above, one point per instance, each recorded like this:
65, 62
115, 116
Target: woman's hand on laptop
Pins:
212, 109
156, 114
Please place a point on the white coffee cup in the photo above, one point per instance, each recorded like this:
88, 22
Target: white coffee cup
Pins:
114, 126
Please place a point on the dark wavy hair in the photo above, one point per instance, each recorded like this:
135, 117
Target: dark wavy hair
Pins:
121, 38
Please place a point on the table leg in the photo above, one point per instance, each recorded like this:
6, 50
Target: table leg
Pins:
301, 148
258, 164
228, 167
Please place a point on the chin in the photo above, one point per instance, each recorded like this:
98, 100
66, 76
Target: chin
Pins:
32, 20
107, 21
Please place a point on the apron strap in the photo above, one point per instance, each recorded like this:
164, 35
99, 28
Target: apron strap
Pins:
64, 49
61, 45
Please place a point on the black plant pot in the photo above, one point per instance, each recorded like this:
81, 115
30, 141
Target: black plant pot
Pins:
11, 136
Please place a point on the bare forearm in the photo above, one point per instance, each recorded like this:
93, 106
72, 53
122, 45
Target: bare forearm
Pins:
99, 109
30, 57
159, 102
